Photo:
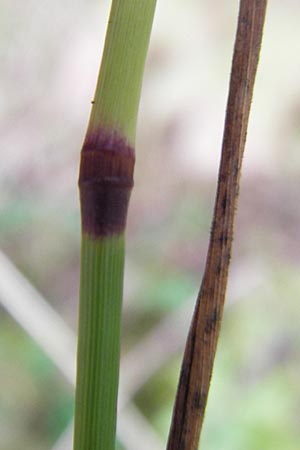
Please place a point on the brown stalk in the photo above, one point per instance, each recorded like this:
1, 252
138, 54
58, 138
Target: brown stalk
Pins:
203, 335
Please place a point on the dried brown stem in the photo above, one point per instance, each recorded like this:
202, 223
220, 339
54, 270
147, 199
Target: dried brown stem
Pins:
202, 340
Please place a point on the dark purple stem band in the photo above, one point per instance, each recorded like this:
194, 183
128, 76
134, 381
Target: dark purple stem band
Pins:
105, 183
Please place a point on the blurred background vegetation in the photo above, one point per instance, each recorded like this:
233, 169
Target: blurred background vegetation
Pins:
50, 54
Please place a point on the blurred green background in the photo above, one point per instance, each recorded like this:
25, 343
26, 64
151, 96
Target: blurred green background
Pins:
50, 54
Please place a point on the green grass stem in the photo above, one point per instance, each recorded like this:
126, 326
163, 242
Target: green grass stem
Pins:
99, 342
105, 182
117, 95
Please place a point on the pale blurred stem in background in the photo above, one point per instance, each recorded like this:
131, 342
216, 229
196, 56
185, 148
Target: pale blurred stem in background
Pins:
105, 182
202, 340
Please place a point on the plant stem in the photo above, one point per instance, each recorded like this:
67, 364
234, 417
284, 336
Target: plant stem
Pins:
120, 78
203, 335
105, 183
99, 331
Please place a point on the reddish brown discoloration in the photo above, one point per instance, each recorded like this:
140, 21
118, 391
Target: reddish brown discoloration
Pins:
201, 344
105, 183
